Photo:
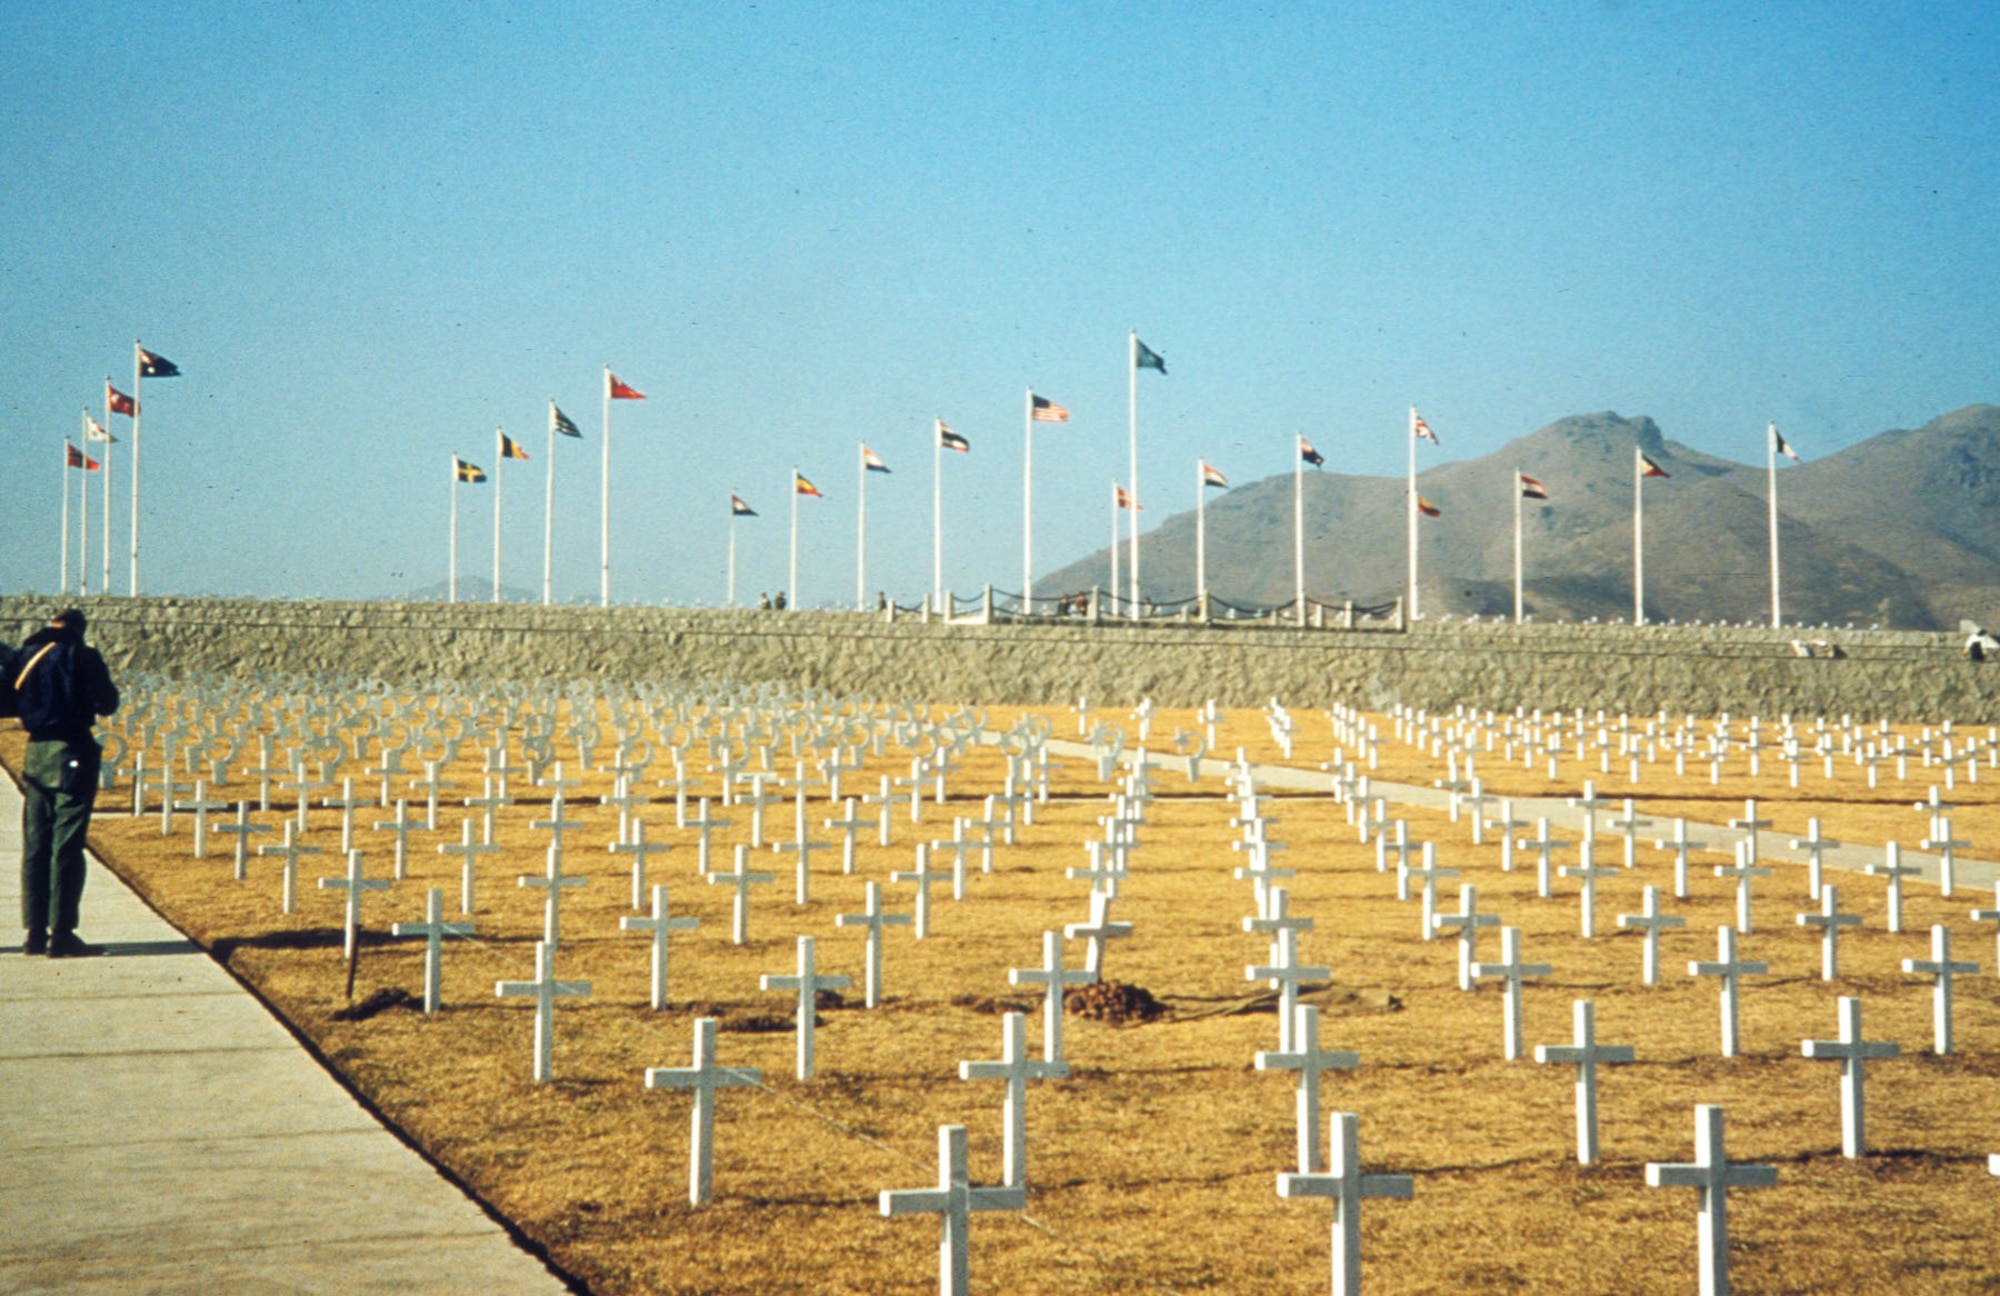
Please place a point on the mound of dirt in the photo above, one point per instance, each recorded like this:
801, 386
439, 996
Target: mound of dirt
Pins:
1114, 1002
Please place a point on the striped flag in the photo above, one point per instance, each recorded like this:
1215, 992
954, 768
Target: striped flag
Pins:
75, 458
1427, 508
951, 440
1784, 448
1310, 455
510, 448
872, 461
1125, 500
95, 431
467, 472
1532, 488
618, 390
561, 422
803, 487
1212, 476
1044, 410
1420, 429
1647, 468
118, 402
737, 508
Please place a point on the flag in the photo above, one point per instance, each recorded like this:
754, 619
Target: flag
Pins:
1043, 410
1147, 358
1532, 488
1782, 446
510, 448
1212, 476
619, 391
872, 461
156, 366
737, 508
1125, 500
1420, 429
1647, 468
72, 457
951, 440
1310, 455
94, 431
561, 422
467, 472
118, 402
1427, 508
804, 487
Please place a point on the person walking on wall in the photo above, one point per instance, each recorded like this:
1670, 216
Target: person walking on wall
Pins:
59, 687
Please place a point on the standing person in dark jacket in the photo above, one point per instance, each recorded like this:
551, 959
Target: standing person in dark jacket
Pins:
60, 687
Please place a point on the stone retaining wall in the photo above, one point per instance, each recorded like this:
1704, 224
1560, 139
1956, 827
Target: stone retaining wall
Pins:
1704, 670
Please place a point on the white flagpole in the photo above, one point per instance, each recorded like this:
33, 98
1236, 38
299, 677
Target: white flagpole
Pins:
1299, 526
1113, 610
1028, 503
104, 585
1413, 513
62, 585
451, 581
1200, 527
732, 549
1638, 537
1771, 455
861, 539
549, 509
604, 518
1517, 546
137, 373
937, 518
499, 476
83, 497
794, 582
1132, 410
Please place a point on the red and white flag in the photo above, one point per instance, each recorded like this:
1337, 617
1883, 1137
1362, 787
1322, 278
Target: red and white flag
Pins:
118, 402
1212, 476
1125, 500
1532, 488
1420, 429
1647, 468
619, 391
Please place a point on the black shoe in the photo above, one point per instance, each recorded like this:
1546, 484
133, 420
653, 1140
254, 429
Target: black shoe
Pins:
68, 945
37, 943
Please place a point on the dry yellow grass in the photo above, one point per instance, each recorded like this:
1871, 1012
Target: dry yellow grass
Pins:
1152, 1167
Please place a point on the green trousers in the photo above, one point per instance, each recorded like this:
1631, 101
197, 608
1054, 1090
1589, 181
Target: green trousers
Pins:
59, 789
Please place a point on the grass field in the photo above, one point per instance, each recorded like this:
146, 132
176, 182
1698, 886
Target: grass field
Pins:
1152, 1167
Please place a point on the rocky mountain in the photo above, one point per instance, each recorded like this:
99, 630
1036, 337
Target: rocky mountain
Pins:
1901, 529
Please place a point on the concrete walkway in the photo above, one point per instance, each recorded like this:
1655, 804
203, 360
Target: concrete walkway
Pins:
163, 1133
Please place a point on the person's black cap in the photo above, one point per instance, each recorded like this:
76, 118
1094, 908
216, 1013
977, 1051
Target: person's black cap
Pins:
71, 617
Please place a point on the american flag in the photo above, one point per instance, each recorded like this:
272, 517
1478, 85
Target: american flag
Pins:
1044, 410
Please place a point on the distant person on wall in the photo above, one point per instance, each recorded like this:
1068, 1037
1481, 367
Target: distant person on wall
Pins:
58, 687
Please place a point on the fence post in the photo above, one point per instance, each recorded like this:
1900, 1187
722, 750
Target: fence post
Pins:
1402, 622
986, 604
927, 607
1096, 605
1347, 615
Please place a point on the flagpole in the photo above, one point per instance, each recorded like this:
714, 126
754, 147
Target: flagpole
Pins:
83, 497
1201, 528
1132, 412
499, 476
732, 549
1028, 503
1299, 526
1113, 611
132, 589
861, 540
1413, 513
1638, 538
549, 509
604, 514
794, 582
1518, 492
937, 518
104, 585
1771, 456
451, 580
62, 585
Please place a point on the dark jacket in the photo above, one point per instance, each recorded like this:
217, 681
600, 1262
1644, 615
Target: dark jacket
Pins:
64, 690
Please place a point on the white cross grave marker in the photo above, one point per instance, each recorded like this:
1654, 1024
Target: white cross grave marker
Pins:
1652, 921
1745, 870
1815, 845
1348, 1187
1940, 967
1585, 1053
1730, 970
641, 852
955, 1199
742, 880
544, 990
1512, 971
1055, 982
552, 883
1016, 1069
1309, 1060
660, 926
1467, 922
704, 1077
1829, 920
874, 919
433, 929
1712, 1173
1893, 868
1851, 1050
1099, 931
353, 884
806, 983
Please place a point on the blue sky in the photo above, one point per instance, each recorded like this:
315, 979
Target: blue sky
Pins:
369, 234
